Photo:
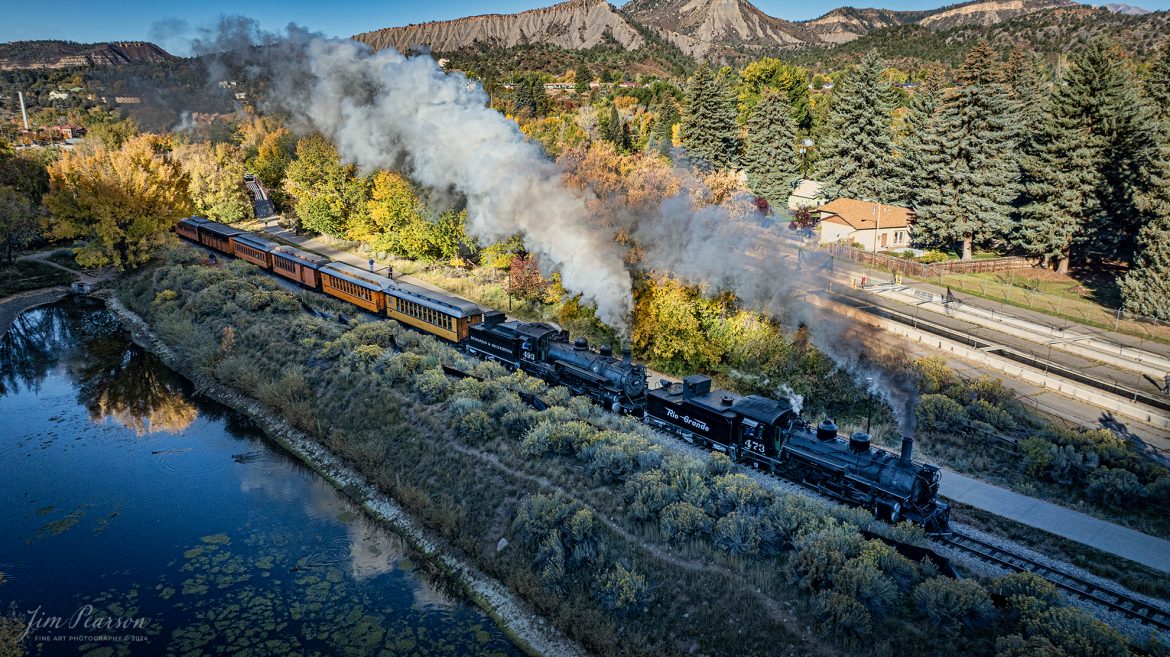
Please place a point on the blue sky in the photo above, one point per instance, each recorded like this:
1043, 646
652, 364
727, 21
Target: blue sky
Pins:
162, 20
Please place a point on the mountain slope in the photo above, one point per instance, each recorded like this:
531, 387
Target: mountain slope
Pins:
847, 23
701, 27
1051, 33
573, 24
41, 55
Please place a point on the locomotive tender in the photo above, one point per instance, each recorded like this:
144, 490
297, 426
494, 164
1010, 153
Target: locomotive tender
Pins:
765, 432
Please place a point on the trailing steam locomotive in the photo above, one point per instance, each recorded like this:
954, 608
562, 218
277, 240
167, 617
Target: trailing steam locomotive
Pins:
765, 432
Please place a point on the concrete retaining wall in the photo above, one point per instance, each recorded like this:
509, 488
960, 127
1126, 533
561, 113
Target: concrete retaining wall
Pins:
1099, 399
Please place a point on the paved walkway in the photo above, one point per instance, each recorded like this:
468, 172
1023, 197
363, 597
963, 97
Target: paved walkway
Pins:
1067, 523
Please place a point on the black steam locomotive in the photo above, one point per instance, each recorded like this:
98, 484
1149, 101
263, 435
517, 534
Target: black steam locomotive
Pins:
769, 434
544, 352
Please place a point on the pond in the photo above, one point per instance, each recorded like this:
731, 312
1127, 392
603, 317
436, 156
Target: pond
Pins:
140, 519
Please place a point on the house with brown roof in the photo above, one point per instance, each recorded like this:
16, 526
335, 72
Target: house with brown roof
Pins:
876, 226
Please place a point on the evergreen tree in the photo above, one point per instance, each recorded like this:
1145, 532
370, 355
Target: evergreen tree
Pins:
583, 77
913, 144
662, 138
1027, 82
769, 156
708, 126
524, 103
1059, 177
1145, 290
613, 128
969, 163
1088, 167
1158, 85
857, 156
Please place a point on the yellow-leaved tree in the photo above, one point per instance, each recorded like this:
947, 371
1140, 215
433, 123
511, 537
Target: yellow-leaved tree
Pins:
215, 176
120, 204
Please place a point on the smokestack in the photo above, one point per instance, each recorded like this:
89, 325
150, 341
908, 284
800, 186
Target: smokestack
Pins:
907, 449
626, 356
23, 113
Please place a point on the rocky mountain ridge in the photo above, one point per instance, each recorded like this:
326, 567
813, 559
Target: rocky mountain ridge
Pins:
700, 28
574, 24
45, 55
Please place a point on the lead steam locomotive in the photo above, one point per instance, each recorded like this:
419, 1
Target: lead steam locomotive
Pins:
765, 432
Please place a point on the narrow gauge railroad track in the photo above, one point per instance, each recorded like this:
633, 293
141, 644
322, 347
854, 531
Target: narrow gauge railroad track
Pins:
1126, 605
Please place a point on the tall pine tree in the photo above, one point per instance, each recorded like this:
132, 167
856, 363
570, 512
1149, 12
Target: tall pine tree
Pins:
1088, 166
769, 156
857, 158
1158, 84
582, 77
662, 137
709, 130
1145, 289
913, 144
969, 163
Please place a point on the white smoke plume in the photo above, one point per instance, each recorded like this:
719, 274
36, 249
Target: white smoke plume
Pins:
727, 248
385, 110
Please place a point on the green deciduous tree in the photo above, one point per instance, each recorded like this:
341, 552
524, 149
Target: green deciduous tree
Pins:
857, 156
968, 163
120, 204
19, 221
770, 156
328, 195
770, 73
709, 129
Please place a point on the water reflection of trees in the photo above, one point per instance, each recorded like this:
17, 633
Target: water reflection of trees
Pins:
33, 345
114, 377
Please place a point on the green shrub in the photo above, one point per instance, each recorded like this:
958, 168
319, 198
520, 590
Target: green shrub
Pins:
476, 426
623, 590
953, 604
682, 521
738, 533
841, 616
937, 412
1075, 633
432, 385
1115, 488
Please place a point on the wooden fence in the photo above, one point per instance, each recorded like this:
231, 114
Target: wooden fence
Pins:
921, 270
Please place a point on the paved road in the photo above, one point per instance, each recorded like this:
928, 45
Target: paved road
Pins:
1073, 525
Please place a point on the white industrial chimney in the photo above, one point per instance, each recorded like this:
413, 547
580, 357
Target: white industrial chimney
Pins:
23, 113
